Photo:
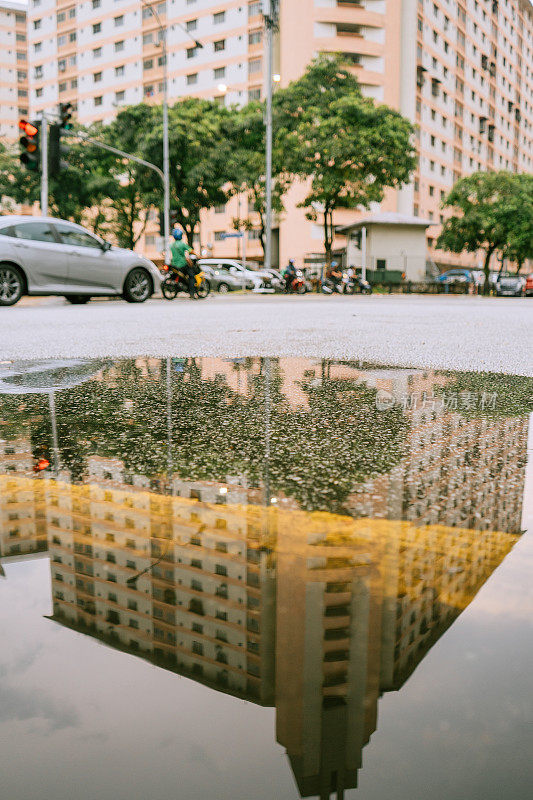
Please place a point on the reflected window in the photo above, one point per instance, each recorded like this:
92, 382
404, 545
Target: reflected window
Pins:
35, 232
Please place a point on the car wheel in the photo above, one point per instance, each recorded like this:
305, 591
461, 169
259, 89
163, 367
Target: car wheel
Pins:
77, 299
11, 285
138, 286
223, 288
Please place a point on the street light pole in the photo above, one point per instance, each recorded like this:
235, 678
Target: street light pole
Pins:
166, 145
44, 166
270, 13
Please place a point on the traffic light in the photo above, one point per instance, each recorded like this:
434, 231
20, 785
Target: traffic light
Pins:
56, 149
30, 150
65, 116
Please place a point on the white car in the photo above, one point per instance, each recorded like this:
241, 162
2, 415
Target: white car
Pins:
47, 256
249, 278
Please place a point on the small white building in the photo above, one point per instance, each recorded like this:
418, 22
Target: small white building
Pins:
393, 242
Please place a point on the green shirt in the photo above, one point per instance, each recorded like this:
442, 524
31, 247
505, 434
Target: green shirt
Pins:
178, 250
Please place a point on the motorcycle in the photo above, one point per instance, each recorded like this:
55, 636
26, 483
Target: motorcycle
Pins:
178, 281
331, 287
358, 285
299, 284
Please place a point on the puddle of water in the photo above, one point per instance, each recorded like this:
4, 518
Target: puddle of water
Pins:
264, 577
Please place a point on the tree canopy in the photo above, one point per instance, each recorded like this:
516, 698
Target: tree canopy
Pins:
494, 213
347, 148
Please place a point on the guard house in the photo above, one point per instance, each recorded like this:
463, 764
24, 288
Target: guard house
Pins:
394, 242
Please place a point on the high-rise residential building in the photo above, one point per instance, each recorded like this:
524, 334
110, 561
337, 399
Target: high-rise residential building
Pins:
13, 68
460, 70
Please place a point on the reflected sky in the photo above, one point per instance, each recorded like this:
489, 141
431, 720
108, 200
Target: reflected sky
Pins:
267, 578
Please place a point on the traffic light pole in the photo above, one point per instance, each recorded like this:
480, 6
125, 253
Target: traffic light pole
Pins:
117, 152
44, 166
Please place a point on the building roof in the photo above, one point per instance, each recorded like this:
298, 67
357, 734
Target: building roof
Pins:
8, 5
386, 218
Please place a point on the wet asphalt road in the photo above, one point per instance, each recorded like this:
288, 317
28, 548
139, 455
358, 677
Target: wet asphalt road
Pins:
447, 332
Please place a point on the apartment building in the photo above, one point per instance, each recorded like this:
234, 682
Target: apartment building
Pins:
461, 70
13, 68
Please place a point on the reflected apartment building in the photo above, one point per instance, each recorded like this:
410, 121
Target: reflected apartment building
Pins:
460, 70
183, 583
23, 529
312, 613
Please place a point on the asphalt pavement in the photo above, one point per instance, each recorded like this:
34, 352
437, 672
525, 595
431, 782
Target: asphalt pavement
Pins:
447, 332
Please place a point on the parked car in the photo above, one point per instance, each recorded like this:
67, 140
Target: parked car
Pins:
43, 256
277, 281
221, 279
510, 286
247, 277
461, 276
528, 288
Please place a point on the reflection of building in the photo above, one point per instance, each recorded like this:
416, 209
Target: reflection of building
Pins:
314, 613
359, 604
348, 607
202, 609
22, 503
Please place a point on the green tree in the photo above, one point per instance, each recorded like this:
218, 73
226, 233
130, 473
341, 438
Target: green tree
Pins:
135, 188
494, 212
83, 186
346, 147
248, 137
201, 162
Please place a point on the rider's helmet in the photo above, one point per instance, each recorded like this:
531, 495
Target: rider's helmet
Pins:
177, 234
334, 263
291, 262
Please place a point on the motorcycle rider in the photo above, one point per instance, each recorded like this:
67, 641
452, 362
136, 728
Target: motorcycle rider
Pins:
181, 261
289, 275
334, 276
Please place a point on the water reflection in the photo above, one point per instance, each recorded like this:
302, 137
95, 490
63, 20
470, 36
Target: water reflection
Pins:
265, 529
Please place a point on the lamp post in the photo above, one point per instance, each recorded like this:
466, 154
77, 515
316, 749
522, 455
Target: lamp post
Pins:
271, 15
166, 145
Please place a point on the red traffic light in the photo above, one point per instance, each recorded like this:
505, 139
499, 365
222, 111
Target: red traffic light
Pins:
42, 463
29, 129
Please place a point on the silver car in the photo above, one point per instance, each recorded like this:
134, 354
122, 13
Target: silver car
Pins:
43, 256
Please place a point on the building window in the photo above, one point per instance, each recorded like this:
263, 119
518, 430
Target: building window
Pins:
119, 46
192, 78
255, 37
119, 21
191, 24
97, 77
97, 27
254, 66
220, 72
98, 101
219, 45
119, 71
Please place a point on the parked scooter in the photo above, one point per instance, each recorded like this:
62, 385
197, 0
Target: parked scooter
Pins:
358, 285
299, 284
331, 287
